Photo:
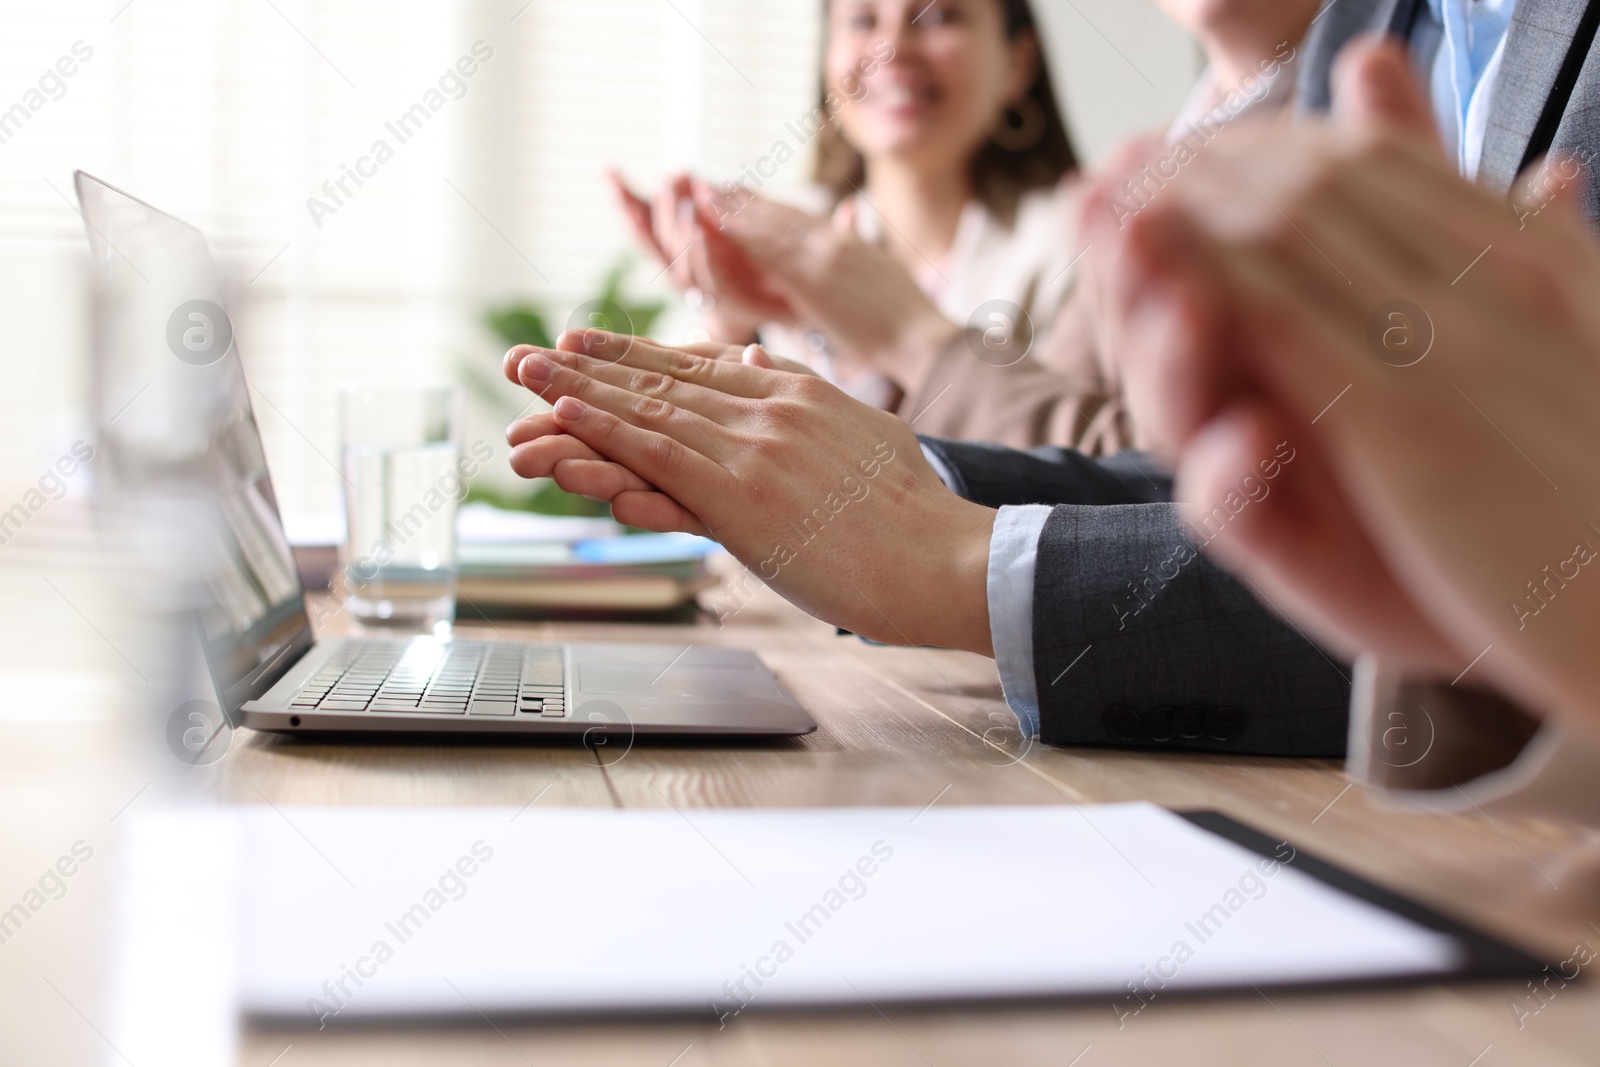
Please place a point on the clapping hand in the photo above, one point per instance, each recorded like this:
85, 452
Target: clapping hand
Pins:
732, 295
1433, 358
828, 500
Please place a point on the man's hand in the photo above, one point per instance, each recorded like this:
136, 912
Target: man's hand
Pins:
1181, 329
828, 500
753, 354
1451, 481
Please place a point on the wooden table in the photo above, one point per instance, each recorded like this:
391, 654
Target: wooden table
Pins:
898, 726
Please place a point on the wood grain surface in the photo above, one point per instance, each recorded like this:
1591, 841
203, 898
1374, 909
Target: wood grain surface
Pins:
897, 727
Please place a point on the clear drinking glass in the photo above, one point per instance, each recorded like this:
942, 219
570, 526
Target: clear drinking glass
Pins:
402, 482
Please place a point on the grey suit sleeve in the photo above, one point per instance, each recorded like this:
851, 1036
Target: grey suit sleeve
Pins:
1140, 640
995, 476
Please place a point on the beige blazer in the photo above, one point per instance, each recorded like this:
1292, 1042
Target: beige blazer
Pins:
1067, 391
1027, 264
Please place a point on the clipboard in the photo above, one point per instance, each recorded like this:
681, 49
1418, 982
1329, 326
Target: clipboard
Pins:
568, 913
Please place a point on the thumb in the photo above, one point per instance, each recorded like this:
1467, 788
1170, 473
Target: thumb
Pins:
619, 186
1373, 84
756, 356
844, 216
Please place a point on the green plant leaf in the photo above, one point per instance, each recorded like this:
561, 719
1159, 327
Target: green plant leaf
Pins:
545, 498
519, 324
637, 317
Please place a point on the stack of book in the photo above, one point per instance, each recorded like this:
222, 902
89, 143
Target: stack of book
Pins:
535, 565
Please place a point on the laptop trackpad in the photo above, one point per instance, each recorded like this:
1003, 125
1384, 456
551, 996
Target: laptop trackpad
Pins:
684, 678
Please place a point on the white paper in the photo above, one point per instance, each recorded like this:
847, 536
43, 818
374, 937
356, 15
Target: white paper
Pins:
705, 911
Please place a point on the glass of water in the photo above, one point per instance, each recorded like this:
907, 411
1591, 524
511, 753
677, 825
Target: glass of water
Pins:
402, 482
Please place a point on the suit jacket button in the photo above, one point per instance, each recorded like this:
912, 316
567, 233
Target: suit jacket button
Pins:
1163, 724
1224, 724
1192, 722
1123, 723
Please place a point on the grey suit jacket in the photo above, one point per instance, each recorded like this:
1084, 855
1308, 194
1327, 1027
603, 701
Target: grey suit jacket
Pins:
1537, 45
1137, 639
1178, 653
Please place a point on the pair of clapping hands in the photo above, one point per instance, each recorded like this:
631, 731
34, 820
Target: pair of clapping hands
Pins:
1422, 500
753, 261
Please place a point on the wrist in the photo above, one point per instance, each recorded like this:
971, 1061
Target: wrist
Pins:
955, 561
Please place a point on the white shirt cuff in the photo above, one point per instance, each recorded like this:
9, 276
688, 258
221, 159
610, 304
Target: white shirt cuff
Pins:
1013, 554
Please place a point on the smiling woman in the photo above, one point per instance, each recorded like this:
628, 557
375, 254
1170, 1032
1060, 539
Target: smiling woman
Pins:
941, 145
971, 106
233, 114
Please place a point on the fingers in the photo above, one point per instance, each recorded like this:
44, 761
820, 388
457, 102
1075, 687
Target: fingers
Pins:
633, 501
538, 458
770, 234
756, 356
1277, 204
720, 265
698, 482
672, 232
1415, 227
638, 214
597, 479
1373, 83
576, 467
715, 350
542, 449
1374, 86
539, 448
711, 350
513, 360
1261, 500
704, 366
656, 511
1100, 188
531, 428
1306, 353
1355, 220
1179, 362
709, 364
1404, 195
689, 415
844, 216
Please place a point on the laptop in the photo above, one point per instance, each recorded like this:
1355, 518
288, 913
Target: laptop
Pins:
190, 422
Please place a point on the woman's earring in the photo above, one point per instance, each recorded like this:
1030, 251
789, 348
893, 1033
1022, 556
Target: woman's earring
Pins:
1021, 126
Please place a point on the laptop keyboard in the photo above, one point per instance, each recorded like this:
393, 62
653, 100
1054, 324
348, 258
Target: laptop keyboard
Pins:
425, 677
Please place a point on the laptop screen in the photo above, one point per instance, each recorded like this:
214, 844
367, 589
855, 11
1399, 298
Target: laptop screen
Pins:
174, 415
